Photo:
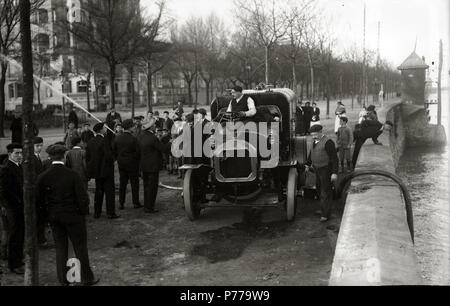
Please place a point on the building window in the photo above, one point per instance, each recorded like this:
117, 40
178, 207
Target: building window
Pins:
19, 90
43, 16
55, 41
68, 87
82, 86
181, 83
48, 92
129, 87
159, 81
53, 15
11, 90
116, 87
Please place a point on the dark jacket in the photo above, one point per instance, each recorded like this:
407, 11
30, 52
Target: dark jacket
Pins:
86, 136
367, 129
127, 152
60, 190
76, 160
73, 118
315, 114
308, 113
38, 165
151, 152
110, 118
11, 180
99, 158
168, 123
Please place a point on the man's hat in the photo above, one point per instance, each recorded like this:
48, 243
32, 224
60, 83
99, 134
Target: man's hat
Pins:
237, 88
127, 124
98, 127
148, 124
56, 150
190, 117
13, 146
37, 140
316, 128
202, 111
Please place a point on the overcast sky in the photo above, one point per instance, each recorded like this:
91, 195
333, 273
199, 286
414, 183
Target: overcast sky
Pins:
401, 22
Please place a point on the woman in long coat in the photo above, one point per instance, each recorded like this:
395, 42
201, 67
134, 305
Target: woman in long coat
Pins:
340, 111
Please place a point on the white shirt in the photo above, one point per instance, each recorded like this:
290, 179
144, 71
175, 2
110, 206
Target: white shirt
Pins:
250, 104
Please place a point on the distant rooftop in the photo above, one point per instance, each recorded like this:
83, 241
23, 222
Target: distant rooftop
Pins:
413, 61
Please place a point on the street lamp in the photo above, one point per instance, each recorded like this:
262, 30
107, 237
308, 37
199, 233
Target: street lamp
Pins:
62, 78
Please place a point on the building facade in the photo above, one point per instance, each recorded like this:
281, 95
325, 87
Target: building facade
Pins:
58, 70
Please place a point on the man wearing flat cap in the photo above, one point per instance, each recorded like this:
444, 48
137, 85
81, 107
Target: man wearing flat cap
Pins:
323, 158
100, 165
63, 197
151, 163
242, 104
127, 153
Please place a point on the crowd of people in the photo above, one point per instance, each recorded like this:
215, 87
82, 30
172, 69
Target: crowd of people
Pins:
140, 147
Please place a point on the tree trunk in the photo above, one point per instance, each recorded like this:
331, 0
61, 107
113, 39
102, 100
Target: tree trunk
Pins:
207, 92
294, 77
266, 53
112, 85
4, 67
196, 91
189, 92
38, 92
29, 174
88, 91
149, 86
132, 92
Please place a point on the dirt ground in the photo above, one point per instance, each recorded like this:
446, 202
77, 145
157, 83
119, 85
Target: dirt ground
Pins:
226, 246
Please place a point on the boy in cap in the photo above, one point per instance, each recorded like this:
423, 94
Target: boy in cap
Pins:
323, 158
63, 196
344, 143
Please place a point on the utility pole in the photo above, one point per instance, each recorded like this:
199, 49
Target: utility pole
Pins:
439, 114
29, 175
364, 59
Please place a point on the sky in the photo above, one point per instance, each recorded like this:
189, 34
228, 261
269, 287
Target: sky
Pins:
401, 23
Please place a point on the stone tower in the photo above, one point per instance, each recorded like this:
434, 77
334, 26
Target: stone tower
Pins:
413, 79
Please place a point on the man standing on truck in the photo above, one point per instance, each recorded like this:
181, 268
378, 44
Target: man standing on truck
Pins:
242, 104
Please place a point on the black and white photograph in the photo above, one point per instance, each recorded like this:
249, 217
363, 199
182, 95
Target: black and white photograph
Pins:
224, 148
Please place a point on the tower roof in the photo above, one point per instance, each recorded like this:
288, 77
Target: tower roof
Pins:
413, 62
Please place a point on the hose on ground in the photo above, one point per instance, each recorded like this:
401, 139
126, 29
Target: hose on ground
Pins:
346, 181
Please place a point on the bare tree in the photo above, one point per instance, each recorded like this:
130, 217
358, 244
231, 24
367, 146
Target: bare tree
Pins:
151, 61
112, 30
265, 19
9, 43
297, 15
